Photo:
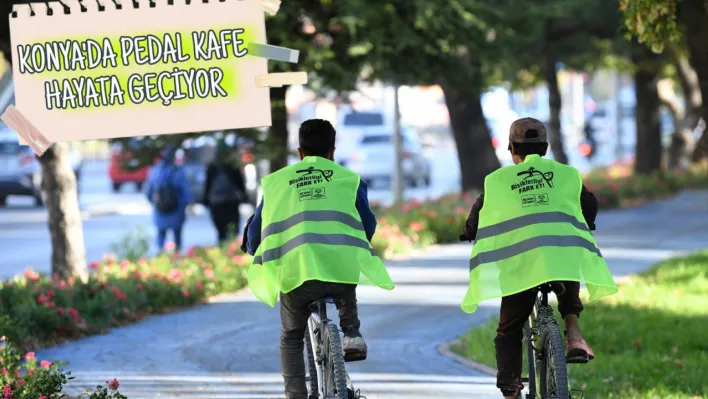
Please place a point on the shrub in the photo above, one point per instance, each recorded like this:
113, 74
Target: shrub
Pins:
23, 377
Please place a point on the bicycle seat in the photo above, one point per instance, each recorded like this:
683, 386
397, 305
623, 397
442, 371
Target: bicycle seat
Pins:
320, 303
555, 286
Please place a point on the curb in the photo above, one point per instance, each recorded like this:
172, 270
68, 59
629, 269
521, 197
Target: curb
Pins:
445, 349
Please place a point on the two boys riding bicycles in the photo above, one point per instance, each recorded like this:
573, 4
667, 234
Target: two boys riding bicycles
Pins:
311, 240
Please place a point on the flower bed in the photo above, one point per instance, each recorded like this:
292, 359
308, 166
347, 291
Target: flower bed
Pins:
24, 377
39, 311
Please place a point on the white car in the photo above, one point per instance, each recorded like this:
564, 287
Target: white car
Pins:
373, 159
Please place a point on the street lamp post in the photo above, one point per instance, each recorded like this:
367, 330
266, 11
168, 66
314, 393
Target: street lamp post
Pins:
398, 180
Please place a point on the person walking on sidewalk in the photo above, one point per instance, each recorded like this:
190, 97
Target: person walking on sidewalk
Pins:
311, 240
532, 226
224, 191
168, 193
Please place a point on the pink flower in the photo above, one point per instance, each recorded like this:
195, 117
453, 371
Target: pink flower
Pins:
237, 260
42, 397
176, 274
17, 373
124, 264
31, 372
209, 274
50, 294
4, 371
6, 390
31, 275
199, 285
74, 314
94, 265
29, 356
110, 258
42, 299
185, 294
139, 287
45, 364
62, 285
142, 262
20, 382
113, 384
191, 251
416, 226
170, 246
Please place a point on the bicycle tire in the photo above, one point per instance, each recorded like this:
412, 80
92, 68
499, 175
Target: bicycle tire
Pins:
531, 359
554, 366
312, 370
335, 374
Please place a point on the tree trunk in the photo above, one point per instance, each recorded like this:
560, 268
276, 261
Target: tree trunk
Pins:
554, 102
61, 198
474, 144
694, 17
277, 140
646, 77
65, 224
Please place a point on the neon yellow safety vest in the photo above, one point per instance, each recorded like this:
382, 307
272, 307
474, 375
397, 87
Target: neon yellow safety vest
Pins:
532, 231
311, 230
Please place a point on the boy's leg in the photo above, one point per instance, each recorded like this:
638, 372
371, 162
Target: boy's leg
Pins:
345, 300
515, 310
570, 306
293, 318
294, 312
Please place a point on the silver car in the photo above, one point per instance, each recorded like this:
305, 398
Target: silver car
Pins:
373, 159
20, 173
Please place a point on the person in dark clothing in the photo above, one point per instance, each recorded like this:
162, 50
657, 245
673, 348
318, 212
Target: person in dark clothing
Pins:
224, 191
516, 308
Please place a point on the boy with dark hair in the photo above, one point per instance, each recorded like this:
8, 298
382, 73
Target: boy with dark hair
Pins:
311, 240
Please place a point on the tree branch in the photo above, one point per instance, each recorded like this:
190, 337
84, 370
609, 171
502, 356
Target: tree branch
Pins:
688, 78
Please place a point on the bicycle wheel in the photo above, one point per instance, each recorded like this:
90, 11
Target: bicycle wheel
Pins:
312, 370
554, 371
335, 375
530, 359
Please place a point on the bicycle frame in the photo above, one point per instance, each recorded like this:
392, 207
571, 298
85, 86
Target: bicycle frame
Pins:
318, 319
541, 315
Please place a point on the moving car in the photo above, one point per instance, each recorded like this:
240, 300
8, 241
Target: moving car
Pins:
351, 126
373, 159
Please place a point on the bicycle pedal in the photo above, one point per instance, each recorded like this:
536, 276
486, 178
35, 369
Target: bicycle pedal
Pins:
577, 359
354, 356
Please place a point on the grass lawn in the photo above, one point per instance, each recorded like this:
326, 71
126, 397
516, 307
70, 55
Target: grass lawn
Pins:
650, 340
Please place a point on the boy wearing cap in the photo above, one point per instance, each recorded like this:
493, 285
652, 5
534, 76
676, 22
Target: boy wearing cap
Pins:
533, 228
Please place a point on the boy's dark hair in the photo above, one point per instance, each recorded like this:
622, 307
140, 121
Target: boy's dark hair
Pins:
317, 137
524, 149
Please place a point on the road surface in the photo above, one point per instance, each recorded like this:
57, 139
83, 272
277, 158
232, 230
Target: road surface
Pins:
229, 349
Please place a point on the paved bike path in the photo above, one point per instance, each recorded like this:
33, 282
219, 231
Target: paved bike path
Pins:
229, 349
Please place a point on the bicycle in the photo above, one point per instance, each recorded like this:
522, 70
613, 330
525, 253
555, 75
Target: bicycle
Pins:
325, 357
548, 370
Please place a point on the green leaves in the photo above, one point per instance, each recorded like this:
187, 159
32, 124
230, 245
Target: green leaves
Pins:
651, 21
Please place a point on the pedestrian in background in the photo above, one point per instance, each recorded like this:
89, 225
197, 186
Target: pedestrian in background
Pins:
168, 192
224, 191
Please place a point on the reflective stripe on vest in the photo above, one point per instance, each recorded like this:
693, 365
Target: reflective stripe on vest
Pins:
311, 238
311, 216
529, 244
526, 220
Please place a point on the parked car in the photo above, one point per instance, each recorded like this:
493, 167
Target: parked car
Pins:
119, 174
373, 159
351, 126
20, 170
